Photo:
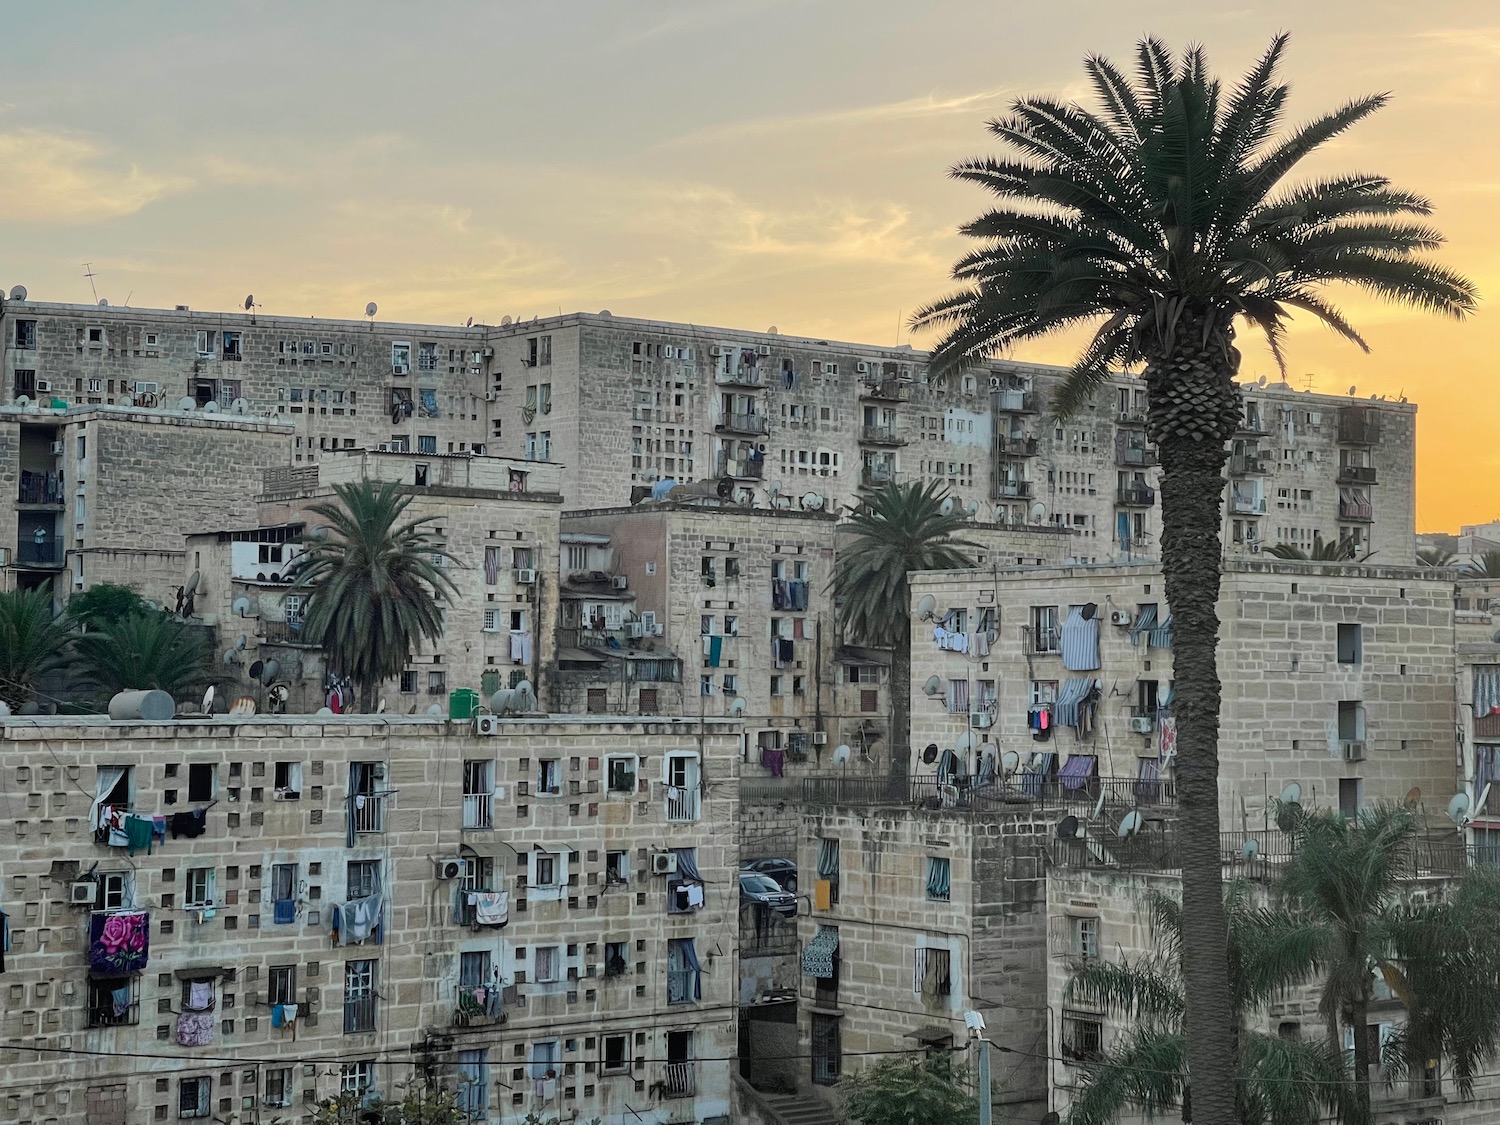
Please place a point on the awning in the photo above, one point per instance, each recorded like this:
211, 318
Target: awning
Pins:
579, 656
1074, 691
1077, 770
817, 958
1143, 623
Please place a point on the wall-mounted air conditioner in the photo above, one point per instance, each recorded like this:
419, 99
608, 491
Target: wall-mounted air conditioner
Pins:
820, 738
1119, 617
663, 863
447, 868
83, 893
620, 582
1140, 724
526, 577
486, 726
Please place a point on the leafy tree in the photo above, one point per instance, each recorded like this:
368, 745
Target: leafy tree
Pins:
1159, 221
901, 528
1348, 892
145, 650
374, 583
106, 603
912, 1090
33, 642
1435, 557
1486, 565
418, 1106
1147, 1067
1323, 550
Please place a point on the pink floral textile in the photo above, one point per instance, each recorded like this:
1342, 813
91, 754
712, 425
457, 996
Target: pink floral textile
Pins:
119, 942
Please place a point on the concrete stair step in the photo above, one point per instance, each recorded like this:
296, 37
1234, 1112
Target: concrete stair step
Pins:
801, 1111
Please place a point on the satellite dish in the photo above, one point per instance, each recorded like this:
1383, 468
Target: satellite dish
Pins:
1457, 808
602, 312
925, 605
469, 323
279, 693
772, 331
18, 292
1038, 512
774, 488
965, 742
241, 607
1130, 824
249, 302
504, 322
208, 700
1251, 849
1088, 610
1261, 382
256, 668
210, 407
104, 302
737, 705
241, 641
933, 686
192, 583
812, 502
23, 401
1098, 808
841, 754
435, 710
231, 656
186, 402
1067, 828
268, 673
1009, 761
1413, 797
239, 406
380, 708
947, 506
930, 753
371, 309
971, 509
322, 712
1291, 794
1352, 390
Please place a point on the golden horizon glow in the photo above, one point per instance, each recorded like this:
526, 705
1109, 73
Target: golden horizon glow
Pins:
733, 162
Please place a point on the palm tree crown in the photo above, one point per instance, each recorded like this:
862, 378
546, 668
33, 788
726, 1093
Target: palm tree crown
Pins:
375, 583
1322, 550
1487, 565
901, 528
33, 642
149, 649
1435, 557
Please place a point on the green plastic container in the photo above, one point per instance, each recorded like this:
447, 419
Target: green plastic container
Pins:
463, 703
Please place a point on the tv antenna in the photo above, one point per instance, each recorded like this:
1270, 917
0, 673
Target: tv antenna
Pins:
88, 272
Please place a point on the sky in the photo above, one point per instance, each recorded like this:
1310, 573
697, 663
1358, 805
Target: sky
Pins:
734, 162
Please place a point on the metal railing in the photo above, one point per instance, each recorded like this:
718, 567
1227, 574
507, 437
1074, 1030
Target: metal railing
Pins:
1356, 474
682, 986
1017, 793
1248, 464
876, 477
1016, 446
1136, 456
40, 488
39, 554
880, 435
282, 632
1252, 423
741, 376
1137, 495
772, 790
359, 1014
1015, 402
1356, 510
1011, 490
890, 390
679, 1080
104, 1015
745, 423
742, 467
682, 803
1357, 427
1247, 505
1045, 642
368, 812
478, 810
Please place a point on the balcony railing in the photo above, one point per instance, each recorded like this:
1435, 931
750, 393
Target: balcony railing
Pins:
1045, 641
1358, 427
742, 423
744, 468
876, 476
1252, 423
1136, 456
1247, 505
1015, 402
682, 986
1136, 496
478, 810
887, 390
105, 1015
48, 555
880, 435
1247, 464
1356, 474
682, 803
679, 1080
1011, 490
1016, 445
1019, 793
741, 376
1356, 510
359, 1014
369, 813
40, 488
481, 1005
282, 633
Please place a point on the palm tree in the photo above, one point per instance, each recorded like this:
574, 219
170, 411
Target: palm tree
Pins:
1487, 565
1147, 1067
33, 642
1160, 221
901, 528
374, 583
144, 650
1435, 557
1323, 550
1347, 888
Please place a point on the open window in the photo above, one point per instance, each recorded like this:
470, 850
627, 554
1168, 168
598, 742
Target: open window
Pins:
620, 773
287, 781
1082, 1037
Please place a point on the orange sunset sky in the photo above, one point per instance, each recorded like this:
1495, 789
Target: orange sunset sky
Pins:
736, 162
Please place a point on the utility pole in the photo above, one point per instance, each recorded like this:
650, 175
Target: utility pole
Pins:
975, 1023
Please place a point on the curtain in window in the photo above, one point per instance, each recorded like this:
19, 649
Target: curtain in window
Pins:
958, 697
491, 566
356, 786
687, 865
938, 878
109, 777
1145, 621
828, 859
1486, 689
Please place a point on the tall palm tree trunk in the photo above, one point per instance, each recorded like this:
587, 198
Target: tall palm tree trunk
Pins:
901, 705
1194, 410
1359, 1015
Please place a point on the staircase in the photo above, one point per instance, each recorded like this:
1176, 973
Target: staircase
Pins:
796, 1110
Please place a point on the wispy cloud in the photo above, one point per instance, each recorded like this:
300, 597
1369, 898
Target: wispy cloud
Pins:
67, 178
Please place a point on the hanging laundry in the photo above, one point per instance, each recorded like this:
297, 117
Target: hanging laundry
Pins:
285, 911
713, 650
940, 636
189, 824
520, 646
1077, 771
361, 917
1080, 641
140, 832
200, 996
774, 760
195, 1029
491, 908
491, 566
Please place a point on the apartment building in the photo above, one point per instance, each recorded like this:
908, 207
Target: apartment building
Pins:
628, 403
1340, 678
234, 918
497, 518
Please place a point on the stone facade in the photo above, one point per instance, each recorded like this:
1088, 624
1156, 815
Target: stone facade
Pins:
302, 816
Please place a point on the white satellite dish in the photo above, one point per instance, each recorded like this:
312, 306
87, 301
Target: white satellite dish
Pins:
971, 509
241, 641
925, 605
1458, 809
324, 712
933, 686
1038, 512
240, 607
1098, 808
23, 401
1009, 762
505, 322
239, 406
774, 488
210, 407
1250, 849
965, 742
187, 403
208, 700
1291, 794
18, 292
947, 506
104, 302
435, 710
371, 309
1130, 824
1261, 382
279, 693
841, 754
231, 656
812, 502
737, 706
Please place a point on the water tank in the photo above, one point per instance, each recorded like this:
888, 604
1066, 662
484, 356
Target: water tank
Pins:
150, 706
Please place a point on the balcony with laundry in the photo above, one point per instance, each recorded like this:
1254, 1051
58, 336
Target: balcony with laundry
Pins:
1016, 444
738, 366
742, 419
742, 460
1136, 494
1252, 421
1012, 396
1133, 451
1355, 505
877, 471
1359, 425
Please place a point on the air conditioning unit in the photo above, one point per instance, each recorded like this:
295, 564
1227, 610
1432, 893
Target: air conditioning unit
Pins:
1119, 617
145, 388
635, 630
764, 349
716, 350
994, 382
486, 726
820, 738
57, 448
1353, 749
663, 863
981, 719
44, 385
383, 447
1140, 724
83, 893
620, 582
489, 396
862, 367
447, 868
489, 353
526, 577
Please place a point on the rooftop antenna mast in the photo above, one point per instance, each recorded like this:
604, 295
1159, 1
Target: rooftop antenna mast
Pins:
88, 272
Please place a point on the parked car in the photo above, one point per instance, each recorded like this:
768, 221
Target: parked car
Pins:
762, 889
784, 871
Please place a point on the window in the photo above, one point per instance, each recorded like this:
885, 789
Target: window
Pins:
1085, 937
1351, 796
1082, 1037
427, 443
1351, 643
543, 354
293, 606
684, 984
492, 620
479, 788
284, 892
362, 878
194, 1094
231, 346
359, 996
620, 771
598, 701
549, 776
409, 682
200, 783
1045, 636
828, 867
471, 1072
119, 889
206, 342
198, 994
356, 1077
279, 1086
827, 1049
617, 868
939, 878
548, 873
114, 1001
26, 335
934, 972
281, 984
869, 701
616, 958
861, 674
682, 785
199, 889
436, 682
400, 359
546, 962
616, 1056
649, 704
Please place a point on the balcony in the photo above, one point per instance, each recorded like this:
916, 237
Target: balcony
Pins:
683, 803
283, 633
1135, 457
887, 390
1015, 401
1020, 793
679, 1080
41, 489
1358, 425
368, 813
753, 425
479, 810
1356, 474
1011, 490
743, 375
880, 435
741, 468
1045, 642
1247, 505
1252, 424
483, 1005
1248, 464
1135, 496
1131, 417
1359, 510
682, 986
876, 476
1016, 445
359, 1014
40, 556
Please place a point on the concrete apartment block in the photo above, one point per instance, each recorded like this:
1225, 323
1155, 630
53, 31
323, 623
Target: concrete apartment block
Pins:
586, 999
